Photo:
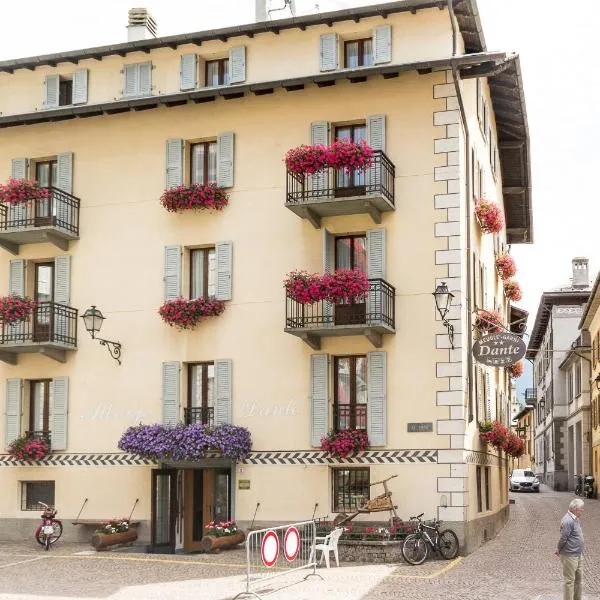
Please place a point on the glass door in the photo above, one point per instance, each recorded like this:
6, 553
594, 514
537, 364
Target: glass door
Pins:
350, 183
164, 510
44, 296
351, 253
46, 174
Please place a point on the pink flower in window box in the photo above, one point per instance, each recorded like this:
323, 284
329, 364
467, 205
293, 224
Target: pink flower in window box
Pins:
187, 314
512, 290
506, 266
195, 196
489, 215
20, 191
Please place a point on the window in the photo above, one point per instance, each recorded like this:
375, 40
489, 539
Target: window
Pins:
350, 489
488, 498
577, 385
570, 385
203, 273
347, 182
203, 163
65, 91
479, 498
358, 53
217, 72
351, 252
33, 492
40, 405
350, 392
46, 173
201, 393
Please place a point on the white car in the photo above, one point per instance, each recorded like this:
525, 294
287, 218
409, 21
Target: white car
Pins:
523, 480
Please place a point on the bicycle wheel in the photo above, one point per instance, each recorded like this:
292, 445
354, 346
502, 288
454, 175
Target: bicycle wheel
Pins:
58, 529
414, 549
448, 544
46, 542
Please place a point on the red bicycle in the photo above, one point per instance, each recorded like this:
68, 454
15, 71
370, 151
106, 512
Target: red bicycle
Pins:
50, 529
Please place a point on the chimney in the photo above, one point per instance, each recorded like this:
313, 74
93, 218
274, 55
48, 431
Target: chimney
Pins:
140, 26
260, 10
581, 277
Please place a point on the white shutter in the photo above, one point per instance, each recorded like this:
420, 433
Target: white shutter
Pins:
80, 86
59, 411
172, 272
223, 387
377, 398
225, 151
19, 168
16, 277
224, 263
382, 44
51, 89
145, 79
376, 253
328, 267
375, 139
18, 212
328, 52
131, 80
237, 64
319, 397
188, 72
64, 165
13, 404
319, 134
173, 163
62, 276
170, 392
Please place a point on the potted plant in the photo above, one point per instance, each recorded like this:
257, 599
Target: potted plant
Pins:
516, 370
20, 191
514, 445
345, 443
512, 290
489, 215
349, 155
114, 532
304, 287
306, 160
488, 321
505, 264
493, 433
15, 309
194, 196
345, 285
30, 447
187, 314
221, 535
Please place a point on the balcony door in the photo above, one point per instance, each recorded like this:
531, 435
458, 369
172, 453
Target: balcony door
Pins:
350, 392
350, 183
351, 253
201, 395
44, 295
40, 407
46, 174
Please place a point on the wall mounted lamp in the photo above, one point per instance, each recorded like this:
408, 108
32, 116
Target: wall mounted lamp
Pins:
443, 299
93, 318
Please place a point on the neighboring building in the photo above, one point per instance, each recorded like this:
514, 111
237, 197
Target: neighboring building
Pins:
590, 325
555, 328
523, 422
107, 128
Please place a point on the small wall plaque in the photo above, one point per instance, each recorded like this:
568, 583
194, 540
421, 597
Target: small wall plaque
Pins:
244, 484
420, 427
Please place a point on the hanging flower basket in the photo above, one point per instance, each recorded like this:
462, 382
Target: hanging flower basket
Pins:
350, 156
20, 191
304, 287
489, 321
512, 290
493, 433
345, 285
186, 442
307, 160
195, 196
489, 215
506, 266
16, 308
347, 442
27, 447
514, 445
516, 370
187, 314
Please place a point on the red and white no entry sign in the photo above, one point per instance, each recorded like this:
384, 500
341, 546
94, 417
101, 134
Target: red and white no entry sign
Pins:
269, 549
291, 544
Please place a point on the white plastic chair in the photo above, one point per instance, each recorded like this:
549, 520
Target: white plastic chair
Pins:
330, 544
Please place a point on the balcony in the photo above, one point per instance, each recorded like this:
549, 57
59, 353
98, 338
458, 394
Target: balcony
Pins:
335, 192
199, 414
371, 318
50, 330
530, 395
55, 220
350, 416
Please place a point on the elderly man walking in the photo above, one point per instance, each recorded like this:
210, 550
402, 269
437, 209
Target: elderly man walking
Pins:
570, 550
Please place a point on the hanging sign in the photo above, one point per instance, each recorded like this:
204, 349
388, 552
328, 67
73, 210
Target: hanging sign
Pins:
499, 349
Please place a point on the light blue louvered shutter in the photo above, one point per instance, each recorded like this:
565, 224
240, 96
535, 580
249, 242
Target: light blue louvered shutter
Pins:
225, 151
375, 270
377, 398
13, 404
382, 44
172, 272
60, 413
18, 212
173, 163
62, 210
145, 79
237, 64
170, 392
131, 80
319, 134
319, 397
188, 72
224, 264
80, 86
51, 87
328, 267
16, 287
223, 387
328, 52
375, 139
62, 280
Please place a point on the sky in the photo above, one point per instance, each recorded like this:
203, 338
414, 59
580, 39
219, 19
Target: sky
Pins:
562, 87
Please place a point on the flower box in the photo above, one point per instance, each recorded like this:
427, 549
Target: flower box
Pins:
14, 309
187, 314
30, 447
489, 215
342, 154
493, 433
20, 191
214, 544
516, 370
304, 287
489, 321
306, 160
104, 541
343, 285
194, 196
345, 443
512, 290
505, 264
514, 445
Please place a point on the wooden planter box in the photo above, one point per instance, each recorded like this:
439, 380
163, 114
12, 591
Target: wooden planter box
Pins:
103, 541
211, 543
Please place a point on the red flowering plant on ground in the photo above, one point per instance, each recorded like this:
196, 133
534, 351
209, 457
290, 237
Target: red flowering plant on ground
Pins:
27, 447
506, 266
304, 287
19, 191
341, 444
489, 215
186, 314
307, 160
345, 285
221, 528
512, 290
16, 308
494, 433
514, 445
350, 156
516, 370
489, 321
189, 197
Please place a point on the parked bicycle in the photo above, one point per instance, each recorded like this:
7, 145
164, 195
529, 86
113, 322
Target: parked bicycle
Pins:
426, 538
50, 529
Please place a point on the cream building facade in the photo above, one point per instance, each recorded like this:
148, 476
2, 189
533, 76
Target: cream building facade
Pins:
110, 127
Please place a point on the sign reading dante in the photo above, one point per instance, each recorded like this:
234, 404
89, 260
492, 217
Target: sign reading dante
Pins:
499, 349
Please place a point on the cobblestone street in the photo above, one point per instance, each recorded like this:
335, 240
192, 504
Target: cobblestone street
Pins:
517, 565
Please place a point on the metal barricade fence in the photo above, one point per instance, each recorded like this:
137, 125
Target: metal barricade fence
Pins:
278, 551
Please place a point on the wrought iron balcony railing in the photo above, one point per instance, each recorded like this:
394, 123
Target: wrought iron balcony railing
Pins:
199, 414
349, 416
530, 394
